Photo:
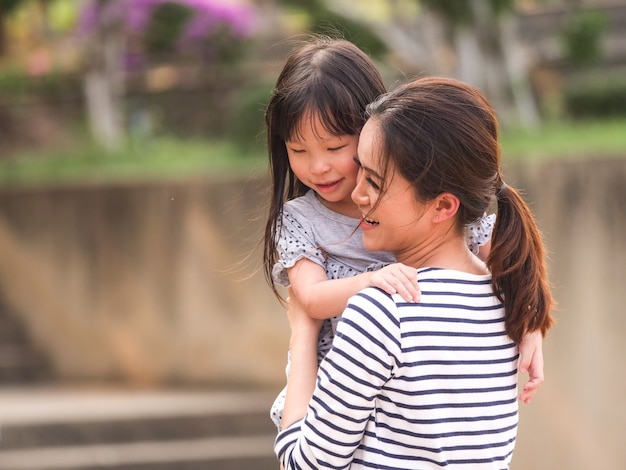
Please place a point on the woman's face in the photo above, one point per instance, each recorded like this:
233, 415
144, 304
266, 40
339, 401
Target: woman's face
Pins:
391, 220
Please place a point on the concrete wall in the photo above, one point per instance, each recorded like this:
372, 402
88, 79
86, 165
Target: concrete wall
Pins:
142, 283
578, 419
145, 283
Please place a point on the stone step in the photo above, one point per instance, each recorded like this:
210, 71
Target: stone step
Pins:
10, 329
241, 453
121, 430
20, 361
133, 429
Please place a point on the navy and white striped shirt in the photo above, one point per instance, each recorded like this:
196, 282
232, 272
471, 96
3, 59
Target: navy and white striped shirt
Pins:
423, 385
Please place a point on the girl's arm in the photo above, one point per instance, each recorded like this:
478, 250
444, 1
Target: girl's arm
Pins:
303, 369
531, 353
483, 251
323, 298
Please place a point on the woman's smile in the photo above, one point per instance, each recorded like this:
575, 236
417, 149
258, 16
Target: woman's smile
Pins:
368, 223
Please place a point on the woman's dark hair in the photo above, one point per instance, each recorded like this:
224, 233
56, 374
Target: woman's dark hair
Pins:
331, 79
442, 135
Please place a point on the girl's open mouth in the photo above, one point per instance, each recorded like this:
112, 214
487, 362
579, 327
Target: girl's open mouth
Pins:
327, 187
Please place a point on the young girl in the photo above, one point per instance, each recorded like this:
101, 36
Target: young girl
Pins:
312, 243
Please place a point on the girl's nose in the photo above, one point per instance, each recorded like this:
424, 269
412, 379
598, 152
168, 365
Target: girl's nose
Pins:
318, 165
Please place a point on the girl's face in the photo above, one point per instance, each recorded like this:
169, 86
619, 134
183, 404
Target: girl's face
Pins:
392, 220
325, 163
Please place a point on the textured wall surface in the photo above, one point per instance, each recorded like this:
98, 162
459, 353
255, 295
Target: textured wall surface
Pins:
146, 283
578, 418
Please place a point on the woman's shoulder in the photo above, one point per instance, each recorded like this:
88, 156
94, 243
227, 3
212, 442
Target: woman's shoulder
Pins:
372, 309
374, 298
452, 276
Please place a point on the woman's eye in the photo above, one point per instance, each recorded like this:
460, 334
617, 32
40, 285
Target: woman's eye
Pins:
372, 183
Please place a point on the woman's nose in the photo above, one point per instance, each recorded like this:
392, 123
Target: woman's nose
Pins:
359, 196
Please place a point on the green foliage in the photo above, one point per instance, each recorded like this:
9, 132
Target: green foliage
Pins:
502, 6
15, 84
165, 26
248, 128
325, 21
223, 48
160, 159
598, 94
581, 37
584, 139
6, 6
458, 12
452, 10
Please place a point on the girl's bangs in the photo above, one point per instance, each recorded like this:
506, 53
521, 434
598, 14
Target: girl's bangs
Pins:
336, 111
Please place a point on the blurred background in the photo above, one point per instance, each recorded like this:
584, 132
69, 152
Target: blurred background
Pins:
136, 328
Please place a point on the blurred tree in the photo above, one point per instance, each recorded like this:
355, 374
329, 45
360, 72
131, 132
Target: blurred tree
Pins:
120, 35
490, 54
166, 25
6, 8
103, 76
581, 36
326, 18
482, 33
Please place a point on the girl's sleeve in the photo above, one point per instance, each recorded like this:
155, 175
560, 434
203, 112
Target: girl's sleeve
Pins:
364, 355
296, 241
478, 233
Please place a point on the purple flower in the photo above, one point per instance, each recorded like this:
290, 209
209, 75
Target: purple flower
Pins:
138, 13
214, 31
134, 16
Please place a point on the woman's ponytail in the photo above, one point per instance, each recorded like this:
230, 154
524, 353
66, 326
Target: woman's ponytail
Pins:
518, 266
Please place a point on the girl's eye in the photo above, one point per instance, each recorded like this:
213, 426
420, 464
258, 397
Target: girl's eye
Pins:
335, 149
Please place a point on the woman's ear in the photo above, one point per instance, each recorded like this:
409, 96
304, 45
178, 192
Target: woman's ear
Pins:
446, 206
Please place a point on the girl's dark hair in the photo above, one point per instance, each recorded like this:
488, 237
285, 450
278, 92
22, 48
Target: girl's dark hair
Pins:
324, 77
442, 135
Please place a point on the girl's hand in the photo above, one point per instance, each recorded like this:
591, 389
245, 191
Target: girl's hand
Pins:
531, 352
397, 278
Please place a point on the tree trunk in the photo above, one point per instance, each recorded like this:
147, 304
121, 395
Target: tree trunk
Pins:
469, 55
103, 86
494, 74
516, 63
503, 67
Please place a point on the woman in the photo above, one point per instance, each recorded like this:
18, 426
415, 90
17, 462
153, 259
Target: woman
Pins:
433, 383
